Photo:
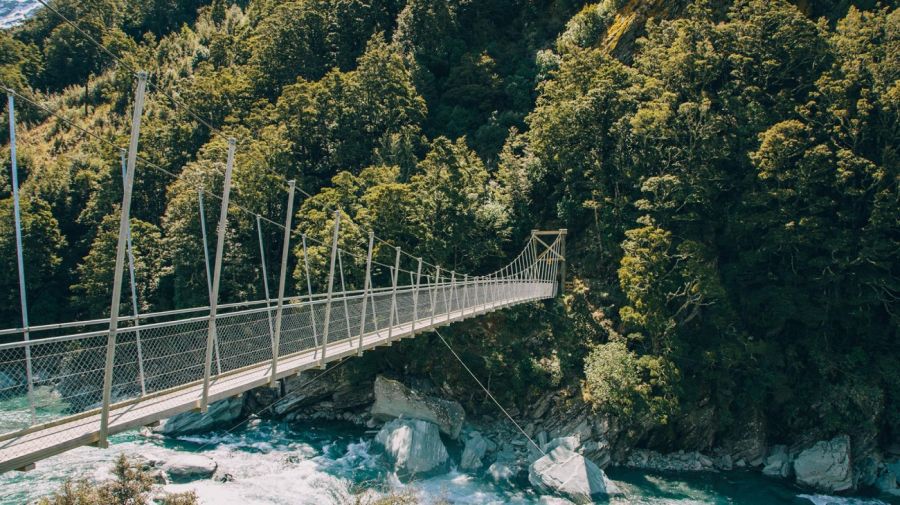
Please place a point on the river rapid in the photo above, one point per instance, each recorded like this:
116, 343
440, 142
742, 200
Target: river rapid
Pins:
277, 463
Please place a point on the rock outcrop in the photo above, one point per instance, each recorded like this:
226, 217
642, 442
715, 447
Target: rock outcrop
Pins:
188, 467
414, 447
473, 452
222, 413
393, 399
680, 461
569, 474
826, 465
778, 463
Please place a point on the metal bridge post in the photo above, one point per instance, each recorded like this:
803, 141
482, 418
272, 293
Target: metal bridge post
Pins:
465, 294
562, 253
395, 275
285, 250
134, 304
265, 276
124, 220
434, 299
23, 298
475, 299
484, 294
312, 308
452, 292
416, 297
208, 271
367, 282
446, 305
344, 291
212, 336
334, 247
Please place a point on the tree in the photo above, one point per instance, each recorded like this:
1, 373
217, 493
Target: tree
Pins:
461, 222
42, 246
93, 290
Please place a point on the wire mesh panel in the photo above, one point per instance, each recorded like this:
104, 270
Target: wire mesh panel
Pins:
296, 330
245, 339
173, 353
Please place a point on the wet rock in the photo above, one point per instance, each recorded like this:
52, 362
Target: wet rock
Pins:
570, 443
258, 400
393, 399
474, 451
568, 474
553, 500
750, 443
722, 461
414, 447
598, 451
826, 465
500, 472
680, 461
865, 471
778, 463
221, 413
541, 406
886, 482
188, 467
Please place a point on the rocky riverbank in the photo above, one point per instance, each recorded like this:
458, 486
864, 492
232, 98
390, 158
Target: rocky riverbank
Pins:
423, 433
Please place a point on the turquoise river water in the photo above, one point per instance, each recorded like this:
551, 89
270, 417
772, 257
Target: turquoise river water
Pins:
322, 464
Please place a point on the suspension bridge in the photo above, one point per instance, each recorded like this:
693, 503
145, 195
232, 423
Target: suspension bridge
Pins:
73, 384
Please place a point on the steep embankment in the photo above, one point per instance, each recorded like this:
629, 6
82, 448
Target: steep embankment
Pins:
727, 170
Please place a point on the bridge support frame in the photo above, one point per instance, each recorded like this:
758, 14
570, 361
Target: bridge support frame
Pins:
208, 268
416, 297
367, 284
395, 275
334, 247
282, 276
124, 224
23, 297
134, 302
212, 337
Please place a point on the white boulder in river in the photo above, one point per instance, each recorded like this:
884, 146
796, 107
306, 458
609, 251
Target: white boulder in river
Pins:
393, 399
566, 473
187, 467
826, 465
414, 447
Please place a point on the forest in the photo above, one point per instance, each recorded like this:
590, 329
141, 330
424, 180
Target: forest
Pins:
728, 171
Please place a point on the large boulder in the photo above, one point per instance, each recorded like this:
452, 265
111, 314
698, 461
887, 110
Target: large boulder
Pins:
188, 467
414, 447
393, 399
826, 465
569, 474
221, 413
777, 463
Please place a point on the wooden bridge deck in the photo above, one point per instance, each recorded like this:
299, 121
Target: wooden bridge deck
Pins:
24, 449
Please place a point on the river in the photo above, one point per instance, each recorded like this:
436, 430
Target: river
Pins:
276, 463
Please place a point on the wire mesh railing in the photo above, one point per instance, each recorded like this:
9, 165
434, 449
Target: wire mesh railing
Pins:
165, 351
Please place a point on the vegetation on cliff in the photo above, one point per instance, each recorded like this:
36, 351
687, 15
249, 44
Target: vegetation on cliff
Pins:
728, 172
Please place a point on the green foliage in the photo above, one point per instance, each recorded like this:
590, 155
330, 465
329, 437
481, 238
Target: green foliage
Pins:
42, 245
730, 186
634, 388
740, 171
93, 291
130, 486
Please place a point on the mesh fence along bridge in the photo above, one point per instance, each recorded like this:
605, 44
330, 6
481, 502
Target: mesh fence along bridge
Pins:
73, 384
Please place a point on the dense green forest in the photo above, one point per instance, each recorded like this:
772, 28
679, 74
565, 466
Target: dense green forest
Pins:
728, 172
